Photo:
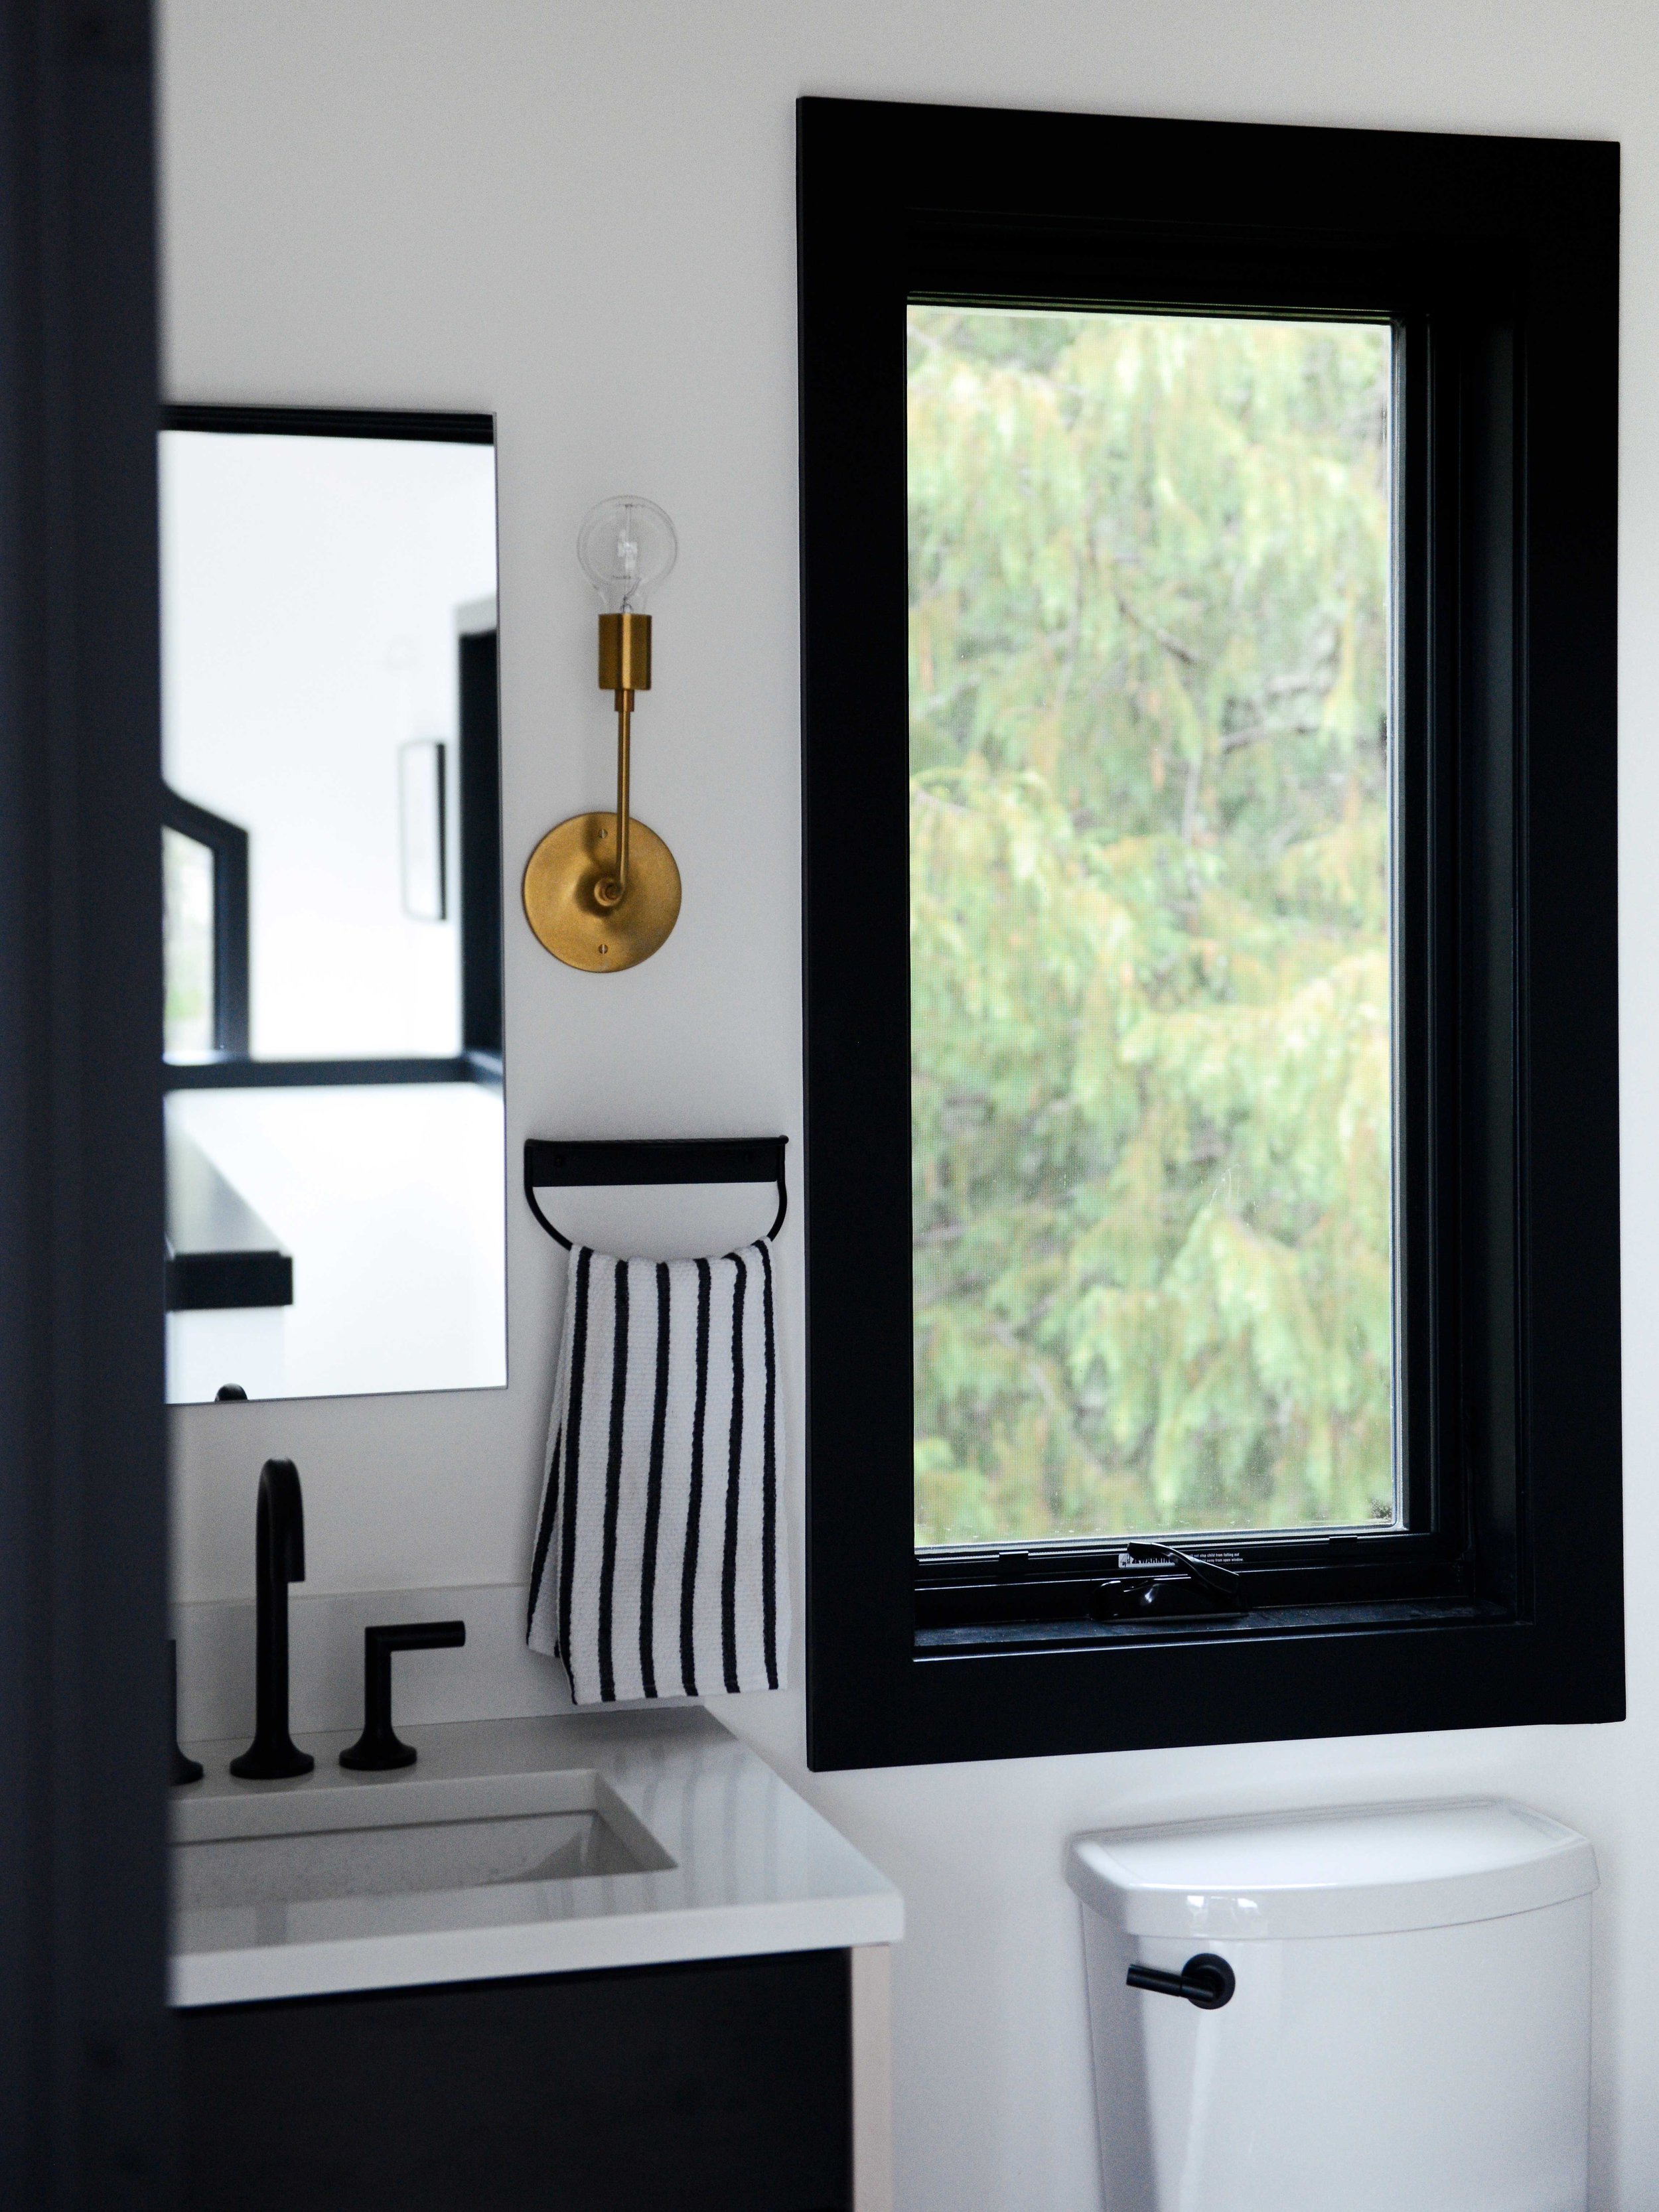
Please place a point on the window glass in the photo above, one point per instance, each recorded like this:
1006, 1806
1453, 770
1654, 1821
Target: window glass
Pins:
1151, 997
186, 946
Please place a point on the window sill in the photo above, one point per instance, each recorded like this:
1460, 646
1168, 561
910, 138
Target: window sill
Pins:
1274, 1621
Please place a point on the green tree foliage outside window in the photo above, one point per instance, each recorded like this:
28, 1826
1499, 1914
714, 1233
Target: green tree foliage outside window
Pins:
1149, 913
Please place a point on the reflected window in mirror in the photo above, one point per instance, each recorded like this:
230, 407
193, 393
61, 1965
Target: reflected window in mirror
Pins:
332, 1037
204, 933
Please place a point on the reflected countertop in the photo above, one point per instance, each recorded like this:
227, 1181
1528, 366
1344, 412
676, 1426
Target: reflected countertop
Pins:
729, 1861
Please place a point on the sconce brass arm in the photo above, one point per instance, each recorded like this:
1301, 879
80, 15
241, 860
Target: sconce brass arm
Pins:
624, 668
611, 890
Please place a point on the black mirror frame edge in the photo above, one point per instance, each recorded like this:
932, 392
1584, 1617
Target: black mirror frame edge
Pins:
84, 2084
1515, 1388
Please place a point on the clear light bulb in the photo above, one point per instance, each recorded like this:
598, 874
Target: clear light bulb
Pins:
626, 546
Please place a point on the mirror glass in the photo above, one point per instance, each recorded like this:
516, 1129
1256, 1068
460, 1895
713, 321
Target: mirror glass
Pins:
332, 1042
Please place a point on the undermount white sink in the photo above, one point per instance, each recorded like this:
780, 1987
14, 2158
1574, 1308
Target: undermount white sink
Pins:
513, 1847
408, 1858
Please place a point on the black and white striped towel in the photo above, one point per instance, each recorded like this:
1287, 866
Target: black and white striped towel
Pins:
657, 1570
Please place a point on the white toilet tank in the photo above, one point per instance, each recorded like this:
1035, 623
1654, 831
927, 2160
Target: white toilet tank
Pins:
1408, 2028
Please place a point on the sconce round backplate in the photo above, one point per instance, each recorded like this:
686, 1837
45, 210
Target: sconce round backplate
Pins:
559, 894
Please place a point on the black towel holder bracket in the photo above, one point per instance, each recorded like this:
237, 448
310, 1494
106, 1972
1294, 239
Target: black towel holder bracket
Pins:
559, 1163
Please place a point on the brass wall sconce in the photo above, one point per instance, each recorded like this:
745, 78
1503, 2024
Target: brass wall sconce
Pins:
602, 891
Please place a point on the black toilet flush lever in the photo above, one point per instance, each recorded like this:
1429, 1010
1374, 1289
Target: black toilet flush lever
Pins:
1206, 1980
377, 1746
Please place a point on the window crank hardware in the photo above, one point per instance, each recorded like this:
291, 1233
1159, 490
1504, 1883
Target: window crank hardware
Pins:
1222, 1584
1206, 1981
1195, 1590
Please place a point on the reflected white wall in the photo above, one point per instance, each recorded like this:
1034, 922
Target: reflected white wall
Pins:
388, 1196
310, 588
209, 1346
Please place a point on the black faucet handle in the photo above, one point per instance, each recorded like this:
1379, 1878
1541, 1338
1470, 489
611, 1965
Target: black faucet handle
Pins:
378, 1746
1206, 1981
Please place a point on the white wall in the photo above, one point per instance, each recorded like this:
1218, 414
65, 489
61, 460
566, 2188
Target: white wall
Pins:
580, 214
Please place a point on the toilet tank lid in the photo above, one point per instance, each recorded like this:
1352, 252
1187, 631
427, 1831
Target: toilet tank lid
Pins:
1362, 1870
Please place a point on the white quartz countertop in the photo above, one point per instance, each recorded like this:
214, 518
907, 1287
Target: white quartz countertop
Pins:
469, 1865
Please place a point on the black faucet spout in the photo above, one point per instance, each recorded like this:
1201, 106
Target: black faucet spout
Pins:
279, 1549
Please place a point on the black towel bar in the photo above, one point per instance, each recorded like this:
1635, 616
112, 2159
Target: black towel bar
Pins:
555, 1162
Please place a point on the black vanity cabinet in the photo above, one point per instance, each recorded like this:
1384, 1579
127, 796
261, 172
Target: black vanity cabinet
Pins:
722, 2086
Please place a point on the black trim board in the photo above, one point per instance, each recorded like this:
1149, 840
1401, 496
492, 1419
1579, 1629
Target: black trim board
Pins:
218, 1282
1498, 258
84, 2078
240, 1074
331, 423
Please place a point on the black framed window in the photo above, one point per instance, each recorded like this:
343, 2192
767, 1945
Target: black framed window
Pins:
1208, 629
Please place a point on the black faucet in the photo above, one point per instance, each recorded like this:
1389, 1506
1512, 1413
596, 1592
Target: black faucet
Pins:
279, 1559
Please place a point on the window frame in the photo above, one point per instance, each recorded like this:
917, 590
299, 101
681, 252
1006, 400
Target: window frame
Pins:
1500, 1599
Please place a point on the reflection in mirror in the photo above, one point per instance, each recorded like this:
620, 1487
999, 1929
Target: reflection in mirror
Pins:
331, 850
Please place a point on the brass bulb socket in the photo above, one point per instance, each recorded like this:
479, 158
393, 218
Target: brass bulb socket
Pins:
624, 652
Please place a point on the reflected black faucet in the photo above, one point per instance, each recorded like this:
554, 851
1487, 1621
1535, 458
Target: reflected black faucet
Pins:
279, 1559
